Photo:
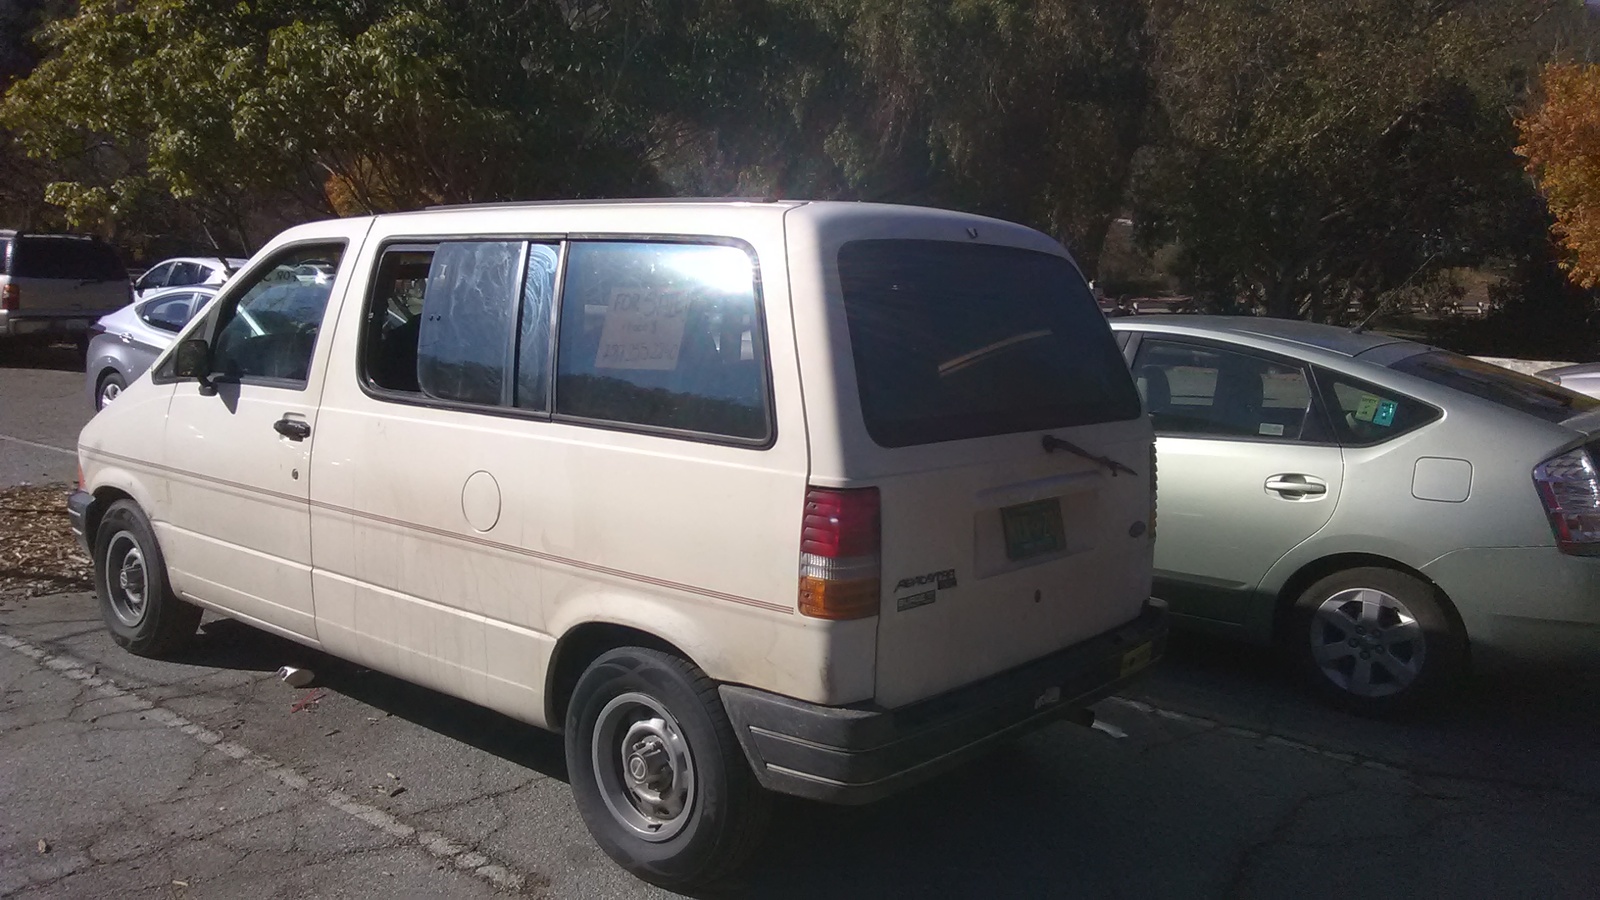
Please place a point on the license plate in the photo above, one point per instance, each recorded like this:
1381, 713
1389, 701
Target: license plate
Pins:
1033, 529
1136, 659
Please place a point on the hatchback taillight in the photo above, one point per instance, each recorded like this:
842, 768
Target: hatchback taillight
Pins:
840, 564
1569, 485
10, 298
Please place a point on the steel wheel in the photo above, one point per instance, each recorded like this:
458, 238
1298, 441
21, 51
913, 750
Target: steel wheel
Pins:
644, 765
130, 580
1368, 642
128, 587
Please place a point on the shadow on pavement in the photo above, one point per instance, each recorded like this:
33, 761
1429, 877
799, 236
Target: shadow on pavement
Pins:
230, 645
1066, 812
62, 357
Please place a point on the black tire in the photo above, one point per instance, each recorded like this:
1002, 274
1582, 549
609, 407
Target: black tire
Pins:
130, 578
726, 812
109, 379
1376, 642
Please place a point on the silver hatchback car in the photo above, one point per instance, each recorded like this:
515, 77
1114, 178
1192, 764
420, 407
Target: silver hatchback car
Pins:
125, 343
1378, 506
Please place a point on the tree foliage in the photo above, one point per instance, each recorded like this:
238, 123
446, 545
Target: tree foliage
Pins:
1561, 141
1319, 155
1290, 157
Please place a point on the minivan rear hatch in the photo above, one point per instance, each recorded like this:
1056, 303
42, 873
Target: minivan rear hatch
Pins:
998, 545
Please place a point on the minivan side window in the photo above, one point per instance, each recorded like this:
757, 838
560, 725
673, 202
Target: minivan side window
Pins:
441, 316
664, 336
468, 306
1202, 391
270, 331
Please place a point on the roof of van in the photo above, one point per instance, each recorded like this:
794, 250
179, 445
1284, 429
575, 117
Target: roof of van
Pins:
624, 202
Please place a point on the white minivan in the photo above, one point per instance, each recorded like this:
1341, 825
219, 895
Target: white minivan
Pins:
743, 497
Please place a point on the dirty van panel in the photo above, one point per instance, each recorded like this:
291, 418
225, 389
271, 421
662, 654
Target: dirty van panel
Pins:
995, 550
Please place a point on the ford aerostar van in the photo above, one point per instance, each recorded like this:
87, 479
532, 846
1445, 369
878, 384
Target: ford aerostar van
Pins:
742, 497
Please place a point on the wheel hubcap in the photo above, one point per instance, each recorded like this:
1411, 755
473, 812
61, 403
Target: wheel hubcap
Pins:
1367, 642
127, 579
644, 766
109, 392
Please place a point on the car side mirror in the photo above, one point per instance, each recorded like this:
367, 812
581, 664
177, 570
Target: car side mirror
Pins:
192, 359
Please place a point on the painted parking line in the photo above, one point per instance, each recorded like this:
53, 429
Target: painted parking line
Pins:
37, 446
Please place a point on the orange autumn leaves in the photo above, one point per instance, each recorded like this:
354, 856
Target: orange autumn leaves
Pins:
1561, 141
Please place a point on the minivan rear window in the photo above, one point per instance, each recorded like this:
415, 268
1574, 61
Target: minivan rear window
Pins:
64, 257
955, 341
1523, 393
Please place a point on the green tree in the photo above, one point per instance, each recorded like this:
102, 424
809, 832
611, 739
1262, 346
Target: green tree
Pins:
234, 108
1316, 156
1030, 110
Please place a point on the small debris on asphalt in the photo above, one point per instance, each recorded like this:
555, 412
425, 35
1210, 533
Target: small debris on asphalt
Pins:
397, 790
44, 846
309, 700
38, 554
330, 732
180, 883
294, 676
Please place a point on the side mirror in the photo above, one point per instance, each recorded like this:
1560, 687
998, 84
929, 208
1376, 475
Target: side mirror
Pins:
193, 360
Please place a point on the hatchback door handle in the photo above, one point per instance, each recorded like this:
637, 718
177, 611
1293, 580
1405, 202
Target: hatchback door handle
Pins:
293, 429
1296, 484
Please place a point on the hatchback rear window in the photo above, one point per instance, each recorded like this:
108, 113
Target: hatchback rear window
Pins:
955, 341
57, 257
1523, 393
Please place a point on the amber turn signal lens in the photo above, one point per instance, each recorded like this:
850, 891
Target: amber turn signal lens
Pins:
822, 598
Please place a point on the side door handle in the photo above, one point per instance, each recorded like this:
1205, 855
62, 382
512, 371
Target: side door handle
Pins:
1293, 487
293, 429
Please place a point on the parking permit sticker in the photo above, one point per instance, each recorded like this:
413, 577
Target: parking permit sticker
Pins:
1272, 430
1368, 407
1385, 414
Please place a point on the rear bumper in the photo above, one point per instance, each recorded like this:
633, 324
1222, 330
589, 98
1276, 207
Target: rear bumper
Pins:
857, 755
1525, 604
28, 324
78, 503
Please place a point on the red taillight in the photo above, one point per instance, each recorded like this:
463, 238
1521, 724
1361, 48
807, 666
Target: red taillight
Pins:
1569, 486
10, 298
840, 567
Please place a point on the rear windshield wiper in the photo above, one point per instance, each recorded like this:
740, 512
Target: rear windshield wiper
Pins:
1053, 443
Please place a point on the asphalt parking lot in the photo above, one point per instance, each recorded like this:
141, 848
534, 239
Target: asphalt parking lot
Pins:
204, 776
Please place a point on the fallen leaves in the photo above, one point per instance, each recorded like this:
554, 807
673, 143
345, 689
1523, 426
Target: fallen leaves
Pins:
38, 553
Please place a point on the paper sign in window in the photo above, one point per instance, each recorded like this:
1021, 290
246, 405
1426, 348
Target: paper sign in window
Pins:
643, 330
1367, 408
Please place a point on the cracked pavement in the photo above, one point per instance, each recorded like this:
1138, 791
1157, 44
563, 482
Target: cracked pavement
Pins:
198, 777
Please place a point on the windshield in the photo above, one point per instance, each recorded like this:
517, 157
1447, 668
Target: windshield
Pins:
1523, 393
956, 341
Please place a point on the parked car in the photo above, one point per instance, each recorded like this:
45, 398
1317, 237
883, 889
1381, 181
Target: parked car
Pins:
1383, 508
1583, 378
739, 535
56, 285
187, 271
123, 344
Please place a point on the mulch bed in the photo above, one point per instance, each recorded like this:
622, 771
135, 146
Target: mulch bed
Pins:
38, 554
